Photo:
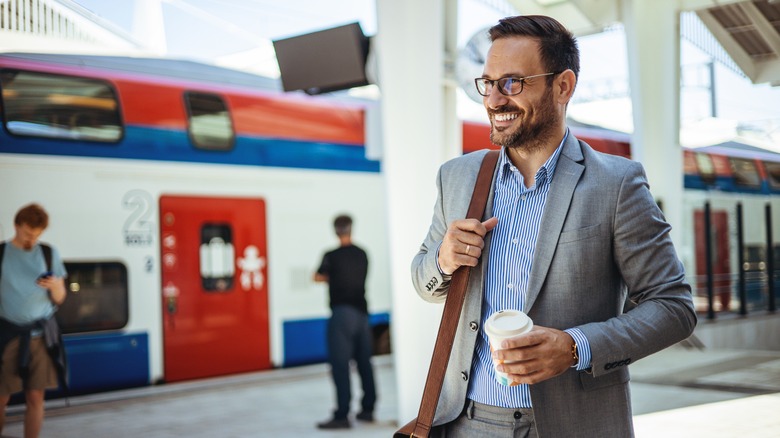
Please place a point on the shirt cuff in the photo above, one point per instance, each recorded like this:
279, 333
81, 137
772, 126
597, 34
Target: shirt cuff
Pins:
583, 348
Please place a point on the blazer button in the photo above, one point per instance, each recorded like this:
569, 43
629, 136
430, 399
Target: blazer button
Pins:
473, 326
465, 376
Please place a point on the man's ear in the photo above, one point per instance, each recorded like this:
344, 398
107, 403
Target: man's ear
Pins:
564, 86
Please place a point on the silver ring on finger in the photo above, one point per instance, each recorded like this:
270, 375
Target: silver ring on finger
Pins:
468, 247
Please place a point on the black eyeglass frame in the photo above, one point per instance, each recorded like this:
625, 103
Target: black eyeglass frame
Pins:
501, 89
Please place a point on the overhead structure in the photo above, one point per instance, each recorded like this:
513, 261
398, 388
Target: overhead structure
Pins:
749, 30
750, 33
60, 26
582, 17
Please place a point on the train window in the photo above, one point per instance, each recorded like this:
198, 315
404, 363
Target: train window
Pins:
755, 258
210, 126
745, 172
97, 297
689, 163
57, 106
706, 168
217, 258
721, 165
773, 170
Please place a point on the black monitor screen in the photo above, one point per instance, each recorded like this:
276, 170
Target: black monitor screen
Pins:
328, 60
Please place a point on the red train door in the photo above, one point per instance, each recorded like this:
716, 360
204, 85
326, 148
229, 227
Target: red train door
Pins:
214, 286
721, 266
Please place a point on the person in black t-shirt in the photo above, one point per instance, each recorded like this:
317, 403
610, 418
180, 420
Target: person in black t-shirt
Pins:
349, 335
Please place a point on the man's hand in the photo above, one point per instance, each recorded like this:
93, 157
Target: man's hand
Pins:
533, 357
56, 288
463, 243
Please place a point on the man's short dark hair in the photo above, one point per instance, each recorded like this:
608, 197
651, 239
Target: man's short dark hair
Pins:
343, 225
557, 46
32, 215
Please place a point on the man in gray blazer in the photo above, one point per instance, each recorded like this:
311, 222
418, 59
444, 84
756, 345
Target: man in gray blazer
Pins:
570, 236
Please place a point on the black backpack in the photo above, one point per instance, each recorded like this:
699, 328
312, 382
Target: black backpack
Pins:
57, 355
46, 255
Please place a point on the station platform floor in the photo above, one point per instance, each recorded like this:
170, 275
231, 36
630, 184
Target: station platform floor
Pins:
676, 393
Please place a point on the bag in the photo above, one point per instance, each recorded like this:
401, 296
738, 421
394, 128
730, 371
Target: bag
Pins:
408, 431
46, 255
420, 427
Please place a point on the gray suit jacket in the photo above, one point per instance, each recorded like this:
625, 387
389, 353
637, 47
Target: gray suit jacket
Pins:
603, 247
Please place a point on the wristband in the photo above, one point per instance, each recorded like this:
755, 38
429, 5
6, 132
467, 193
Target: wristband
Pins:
574, 354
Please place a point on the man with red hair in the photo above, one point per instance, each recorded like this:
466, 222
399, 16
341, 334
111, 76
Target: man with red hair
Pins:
32, 285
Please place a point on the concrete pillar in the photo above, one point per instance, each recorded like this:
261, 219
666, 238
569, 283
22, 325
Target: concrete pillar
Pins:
653, 43
420, 131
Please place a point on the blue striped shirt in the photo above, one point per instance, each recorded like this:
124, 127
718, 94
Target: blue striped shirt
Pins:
519, 211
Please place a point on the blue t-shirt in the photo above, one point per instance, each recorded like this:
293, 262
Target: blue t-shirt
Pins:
22, 301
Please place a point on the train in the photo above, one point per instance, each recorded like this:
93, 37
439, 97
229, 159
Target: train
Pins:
732, 192
192, 204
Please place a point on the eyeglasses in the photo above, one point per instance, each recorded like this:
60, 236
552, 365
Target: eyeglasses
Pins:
508, 86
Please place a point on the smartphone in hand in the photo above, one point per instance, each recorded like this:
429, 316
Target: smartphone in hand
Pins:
45, 275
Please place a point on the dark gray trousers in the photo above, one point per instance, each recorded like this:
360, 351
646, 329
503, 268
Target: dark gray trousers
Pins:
349, 337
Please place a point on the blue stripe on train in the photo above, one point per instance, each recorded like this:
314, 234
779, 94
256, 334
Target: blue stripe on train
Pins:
305, 340
145, 143
106, 362
723, 184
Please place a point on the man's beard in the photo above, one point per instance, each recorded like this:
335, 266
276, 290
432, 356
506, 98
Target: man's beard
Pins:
529, 135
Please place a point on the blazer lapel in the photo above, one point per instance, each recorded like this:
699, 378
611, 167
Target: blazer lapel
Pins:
567, 174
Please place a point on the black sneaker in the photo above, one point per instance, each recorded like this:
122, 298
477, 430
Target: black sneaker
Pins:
335, 424
365, 416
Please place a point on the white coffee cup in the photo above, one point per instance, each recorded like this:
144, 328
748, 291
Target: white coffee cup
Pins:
506, 324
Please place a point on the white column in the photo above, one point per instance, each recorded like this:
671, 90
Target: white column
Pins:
653, 43
419, 132
149, 25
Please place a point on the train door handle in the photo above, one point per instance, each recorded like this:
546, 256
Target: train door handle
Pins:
172, 304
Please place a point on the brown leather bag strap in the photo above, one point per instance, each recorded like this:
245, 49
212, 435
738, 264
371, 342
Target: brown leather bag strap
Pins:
452, 307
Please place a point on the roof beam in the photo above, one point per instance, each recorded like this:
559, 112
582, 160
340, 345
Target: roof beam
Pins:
692, 5
768, 72
737, 53
569, 13
762, 25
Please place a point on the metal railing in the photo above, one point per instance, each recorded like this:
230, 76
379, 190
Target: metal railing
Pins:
727, 294
38, 17
752, 285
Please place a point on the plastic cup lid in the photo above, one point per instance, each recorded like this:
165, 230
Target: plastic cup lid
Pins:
508, 323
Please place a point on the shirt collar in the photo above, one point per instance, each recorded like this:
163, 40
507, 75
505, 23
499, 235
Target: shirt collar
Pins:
545, 173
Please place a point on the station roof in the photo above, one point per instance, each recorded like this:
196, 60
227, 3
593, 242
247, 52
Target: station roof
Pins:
750, 33
749, 30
